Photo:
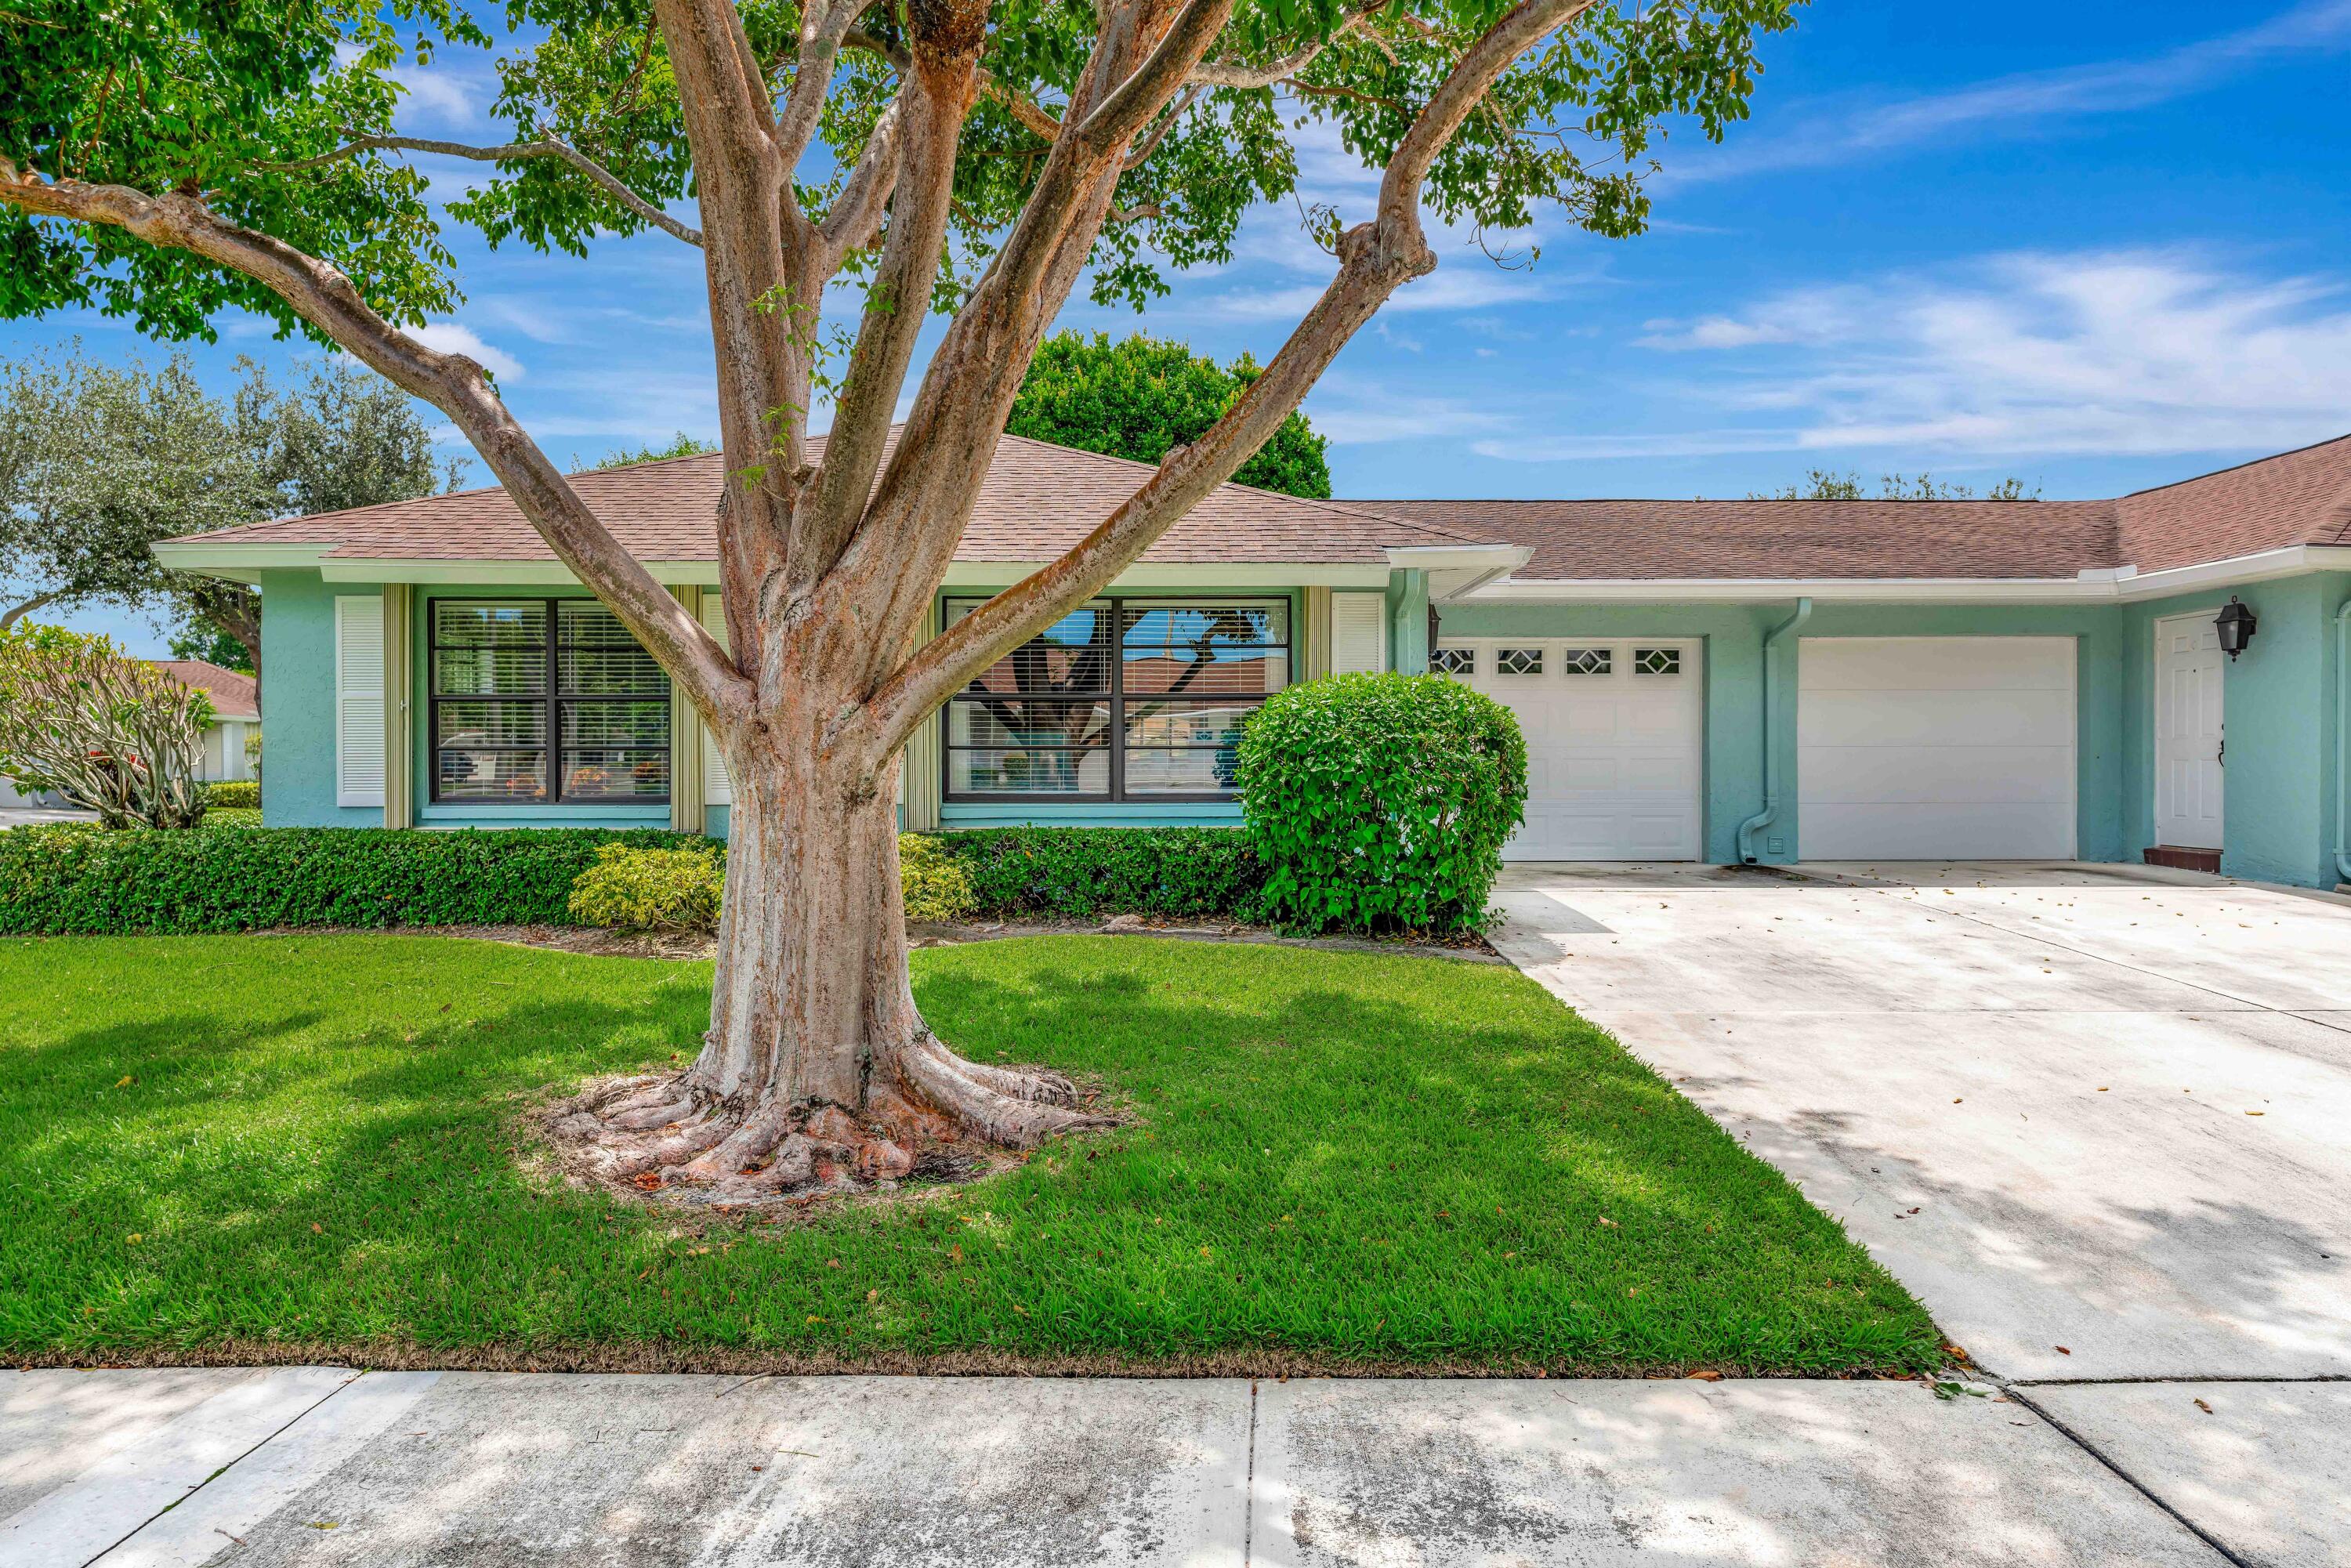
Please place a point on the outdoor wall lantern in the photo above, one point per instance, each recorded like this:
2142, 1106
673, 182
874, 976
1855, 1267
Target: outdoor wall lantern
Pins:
2236, 625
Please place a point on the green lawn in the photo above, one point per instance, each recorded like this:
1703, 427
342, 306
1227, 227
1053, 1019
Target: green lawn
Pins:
231, 1147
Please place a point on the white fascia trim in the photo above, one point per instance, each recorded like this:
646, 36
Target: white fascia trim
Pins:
235, 562
2105, 586
1271, 575
2255, 568
1458, 569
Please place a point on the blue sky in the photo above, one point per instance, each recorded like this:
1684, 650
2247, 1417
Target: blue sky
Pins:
2010, 239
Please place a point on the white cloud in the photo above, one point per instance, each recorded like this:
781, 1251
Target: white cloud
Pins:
2102, 352
439, 97
1352, 411
2014, 105
452, 338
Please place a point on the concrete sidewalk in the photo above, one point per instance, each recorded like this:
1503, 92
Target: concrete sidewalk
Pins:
323, 1466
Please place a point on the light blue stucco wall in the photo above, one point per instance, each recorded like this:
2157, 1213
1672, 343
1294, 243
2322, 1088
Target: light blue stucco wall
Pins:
298, 704
2279, 792
2283, 791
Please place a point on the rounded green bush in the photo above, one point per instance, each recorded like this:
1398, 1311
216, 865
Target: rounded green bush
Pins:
1380, 803
650, 890
234, 794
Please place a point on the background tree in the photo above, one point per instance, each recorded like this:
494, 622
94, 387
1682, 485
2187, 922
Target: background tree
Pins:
680, 445
1821, 485
1143, 397
97, 462
202, 640
337, 436
170, 159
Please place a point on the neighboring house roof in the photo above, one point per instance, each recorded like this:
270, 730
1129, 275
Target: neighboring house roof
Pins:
234, 696
1036, 501
2300, 497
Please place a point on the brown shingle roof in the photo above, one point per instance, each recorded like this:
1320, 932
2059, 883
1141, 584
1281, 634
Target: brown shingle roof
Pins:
234, 696
1038, 500
2300, 497
1685, 540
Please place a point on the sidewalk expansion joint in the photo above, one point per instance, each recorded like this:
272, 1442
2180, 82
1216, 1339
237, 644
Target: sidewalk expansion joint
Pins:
2016, 1392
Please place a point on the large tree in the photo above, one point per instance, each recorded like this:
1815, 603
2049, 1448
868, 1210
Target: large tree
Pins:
171, 159
1141, 398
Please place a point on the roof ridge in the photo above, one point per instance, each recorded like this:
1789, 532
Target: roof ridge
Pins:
2233, 467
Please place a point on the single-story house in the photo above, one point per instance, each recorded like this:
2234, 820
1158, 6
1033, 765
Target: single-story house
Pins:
236, 713
1723, 680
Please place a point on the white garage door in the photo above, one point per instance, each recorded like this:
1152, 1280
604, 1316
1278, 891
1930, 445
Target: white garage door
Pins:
1936, 749
1614, 738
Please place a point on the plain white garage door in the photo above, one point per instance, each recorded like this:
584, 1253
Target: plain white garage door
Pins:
1936, 747
1614, 733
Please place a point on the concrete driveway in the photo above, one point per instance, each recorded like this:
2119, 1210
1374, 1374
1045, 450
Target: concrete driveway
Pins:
2097, 1119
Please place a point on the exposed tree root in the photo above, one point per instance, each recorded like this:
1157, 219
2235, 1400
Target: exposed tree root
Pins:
929, 1115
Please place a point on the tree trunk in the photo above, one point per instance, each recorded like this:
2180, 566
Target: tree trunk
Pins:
817, 1073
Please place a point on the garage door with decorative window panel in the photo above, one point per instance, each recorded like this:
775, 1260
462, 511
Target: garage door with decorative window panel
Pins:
1616, 735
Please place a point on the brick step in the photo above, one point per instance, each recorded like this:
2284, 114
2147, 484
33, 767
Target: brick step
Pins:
2184, 860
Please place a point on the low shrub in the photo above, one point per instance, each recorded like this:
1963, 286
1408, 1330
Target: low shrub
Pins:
72, 879
219, 817
233, 794
1380, 803
641, 889
932, 881
1078, 874
76, 879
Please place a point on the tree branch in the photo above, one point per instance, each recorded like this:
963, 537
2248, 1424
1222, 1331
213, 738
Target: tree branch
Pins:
823, 27
1237, 74
1022, 107
453, 383
1375, 259
18, 611
930, 110
857, 211
511, 153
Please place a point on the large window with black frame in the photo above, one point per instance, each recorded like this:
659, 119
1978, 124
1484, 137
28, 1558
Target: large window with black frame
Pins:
1123, 699
544, 702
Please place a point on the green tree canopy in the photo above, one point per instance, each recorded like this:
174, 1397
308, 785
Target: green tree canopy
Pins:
1141, 397
99, 461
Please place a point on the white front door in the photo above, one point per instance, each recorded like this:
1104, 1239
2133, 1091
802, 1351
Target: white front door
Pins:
2187, 732
1614, 731
1935, 748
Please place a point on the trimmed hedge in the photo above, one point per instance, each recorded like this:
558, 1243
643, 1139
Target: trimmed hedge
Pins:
77, 880
1078, 874
236, 794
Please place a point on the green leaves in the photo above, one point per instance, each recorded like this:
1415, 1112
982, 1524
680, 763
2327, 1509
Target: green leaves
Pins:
242, 100
1381, 801
1142, 397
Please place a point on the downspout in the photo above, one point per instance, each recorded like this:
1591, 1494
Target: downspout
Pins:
2343, 742
1771, 811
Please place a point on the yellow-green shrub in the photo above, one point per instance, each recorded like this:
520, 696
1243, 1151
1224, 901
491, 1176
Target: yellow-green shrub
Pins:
650, 890
933, 882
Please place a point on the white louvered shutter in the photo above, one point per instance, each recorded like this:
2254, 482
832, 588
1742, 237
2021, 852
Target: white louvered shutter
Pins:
359, 700
716, 791
1359, 632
